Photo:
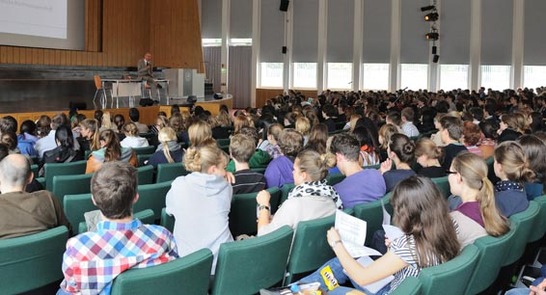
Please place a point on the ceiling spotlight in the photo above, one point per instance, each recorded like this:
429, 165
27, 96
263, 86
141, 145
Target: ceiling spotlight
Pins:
431, 17
432, 36
427, 8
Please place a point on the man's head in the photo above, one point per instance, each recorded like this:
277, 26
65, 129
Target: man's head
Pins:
134, 114
114, 189
148, 56
15, 173
346, 146
241, 147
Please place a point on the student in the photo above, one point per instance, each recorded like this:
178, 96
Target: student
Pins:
368, 153
427, 155
430, 239
259, 158
385, 133
89, 135
241, 149
471, 138
279, 171
400, 152
511, 167
169, 150
64, 152
201, 201
110, 150
512, 126
271, 145
93, 260
473, 200
409, 129
451, 131
360, 185
312, 198
535, 152
132, 139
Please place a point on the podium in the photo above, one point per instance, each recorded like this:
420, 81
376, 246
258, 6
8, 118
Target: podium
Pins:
185, 82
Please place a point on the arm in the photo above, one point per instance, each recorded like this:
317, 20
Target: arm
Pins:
264, 214
387, 265
385, 166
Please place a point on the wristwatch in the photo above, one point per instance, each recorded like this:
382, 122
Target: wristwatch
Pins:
262, 207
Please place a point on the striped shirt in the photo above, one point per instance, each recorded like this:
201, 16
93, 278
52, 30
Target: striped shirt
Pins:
94, 259
248, 181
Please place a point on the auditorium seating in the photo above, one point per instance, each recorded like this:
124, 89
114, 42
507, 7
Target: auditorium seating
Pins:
152, 196
372, 213
242, 216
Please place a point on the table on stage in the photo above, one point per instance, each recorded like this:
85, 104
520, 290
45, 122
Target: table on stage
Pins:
131, 89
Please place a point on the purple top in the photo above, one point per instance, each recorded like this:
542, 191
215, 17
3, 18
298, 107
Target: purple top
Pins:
472, 211
279, 172
362, 187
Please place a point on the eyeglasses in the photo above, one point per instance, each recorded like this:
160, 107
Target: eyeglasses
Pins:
451, 172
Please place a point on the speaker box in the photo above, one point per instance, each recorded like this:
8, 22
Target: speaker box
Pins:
218, 96
284, 49
146, 102
284, 5
191, 99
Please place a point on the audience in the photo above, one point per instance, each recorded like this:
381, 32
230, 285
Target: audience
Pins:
400, 153
110, 150
451, 131
169, 150
134, 115
132, 138
535, 152
408, 128
427, 155
65, 151
279, 170
259, 159
241, 150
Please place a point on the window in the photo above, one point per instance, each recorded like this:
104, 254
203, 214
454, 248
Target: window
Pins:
375, 76
271, 74
340, 75
496, 77
414, 76
305, 75
240, 42
208, 42
534, 76
453, 77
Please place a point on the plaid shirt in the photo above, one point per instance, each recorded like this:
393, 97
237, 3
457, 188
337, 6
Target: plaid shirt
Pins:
93, 260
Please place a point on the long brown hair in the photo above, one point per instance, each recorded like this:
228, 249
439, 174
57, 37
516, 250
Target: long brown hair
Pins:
421, 211
473, 170
112, 148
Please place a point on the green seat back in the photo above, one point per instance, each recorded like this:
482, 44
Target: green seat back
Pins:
145, 174
55, 169
35, 168
245, 267
170, 171
285, 190
70, 185
167, 221
492, 252
443, 185
377, 166
32, 261
540, 222
186, 275
242, 216
143, 158
146, 217
410, 286
372, 213
223, 144
76, 205
144, 150
334, 179
450, 277
152, 196
310, 248
526, 220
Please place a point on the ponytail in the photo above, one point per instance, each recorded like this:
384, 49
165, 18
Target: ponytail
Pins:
495, 224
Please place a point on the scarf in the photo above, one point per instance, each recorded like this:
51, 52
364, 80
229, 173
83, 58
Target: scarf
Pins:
505, 185
316, 189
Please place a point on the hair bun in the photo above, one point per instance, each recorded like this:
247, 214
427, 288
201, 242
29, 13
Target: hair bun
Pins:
408, 148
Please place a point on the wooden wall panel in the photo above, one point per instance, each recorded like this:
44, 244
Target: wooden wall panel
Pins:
119, 32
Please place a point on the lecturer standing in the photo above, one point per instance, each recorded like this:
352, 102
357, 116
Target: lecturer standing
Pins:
145, 69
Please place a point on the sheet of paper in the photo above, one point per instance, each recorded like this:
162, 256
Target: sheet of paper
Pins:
392, 232
353, 234
386, 215
374, 287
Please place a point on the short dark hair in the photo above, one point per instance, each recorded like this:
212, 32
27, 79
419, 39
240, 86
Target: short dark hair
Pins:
114, 187
347, 145
8, 124
453, 125
134, 114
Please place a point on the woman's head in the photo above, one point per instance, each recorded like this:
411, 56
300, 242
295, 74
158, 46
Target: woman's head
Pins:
119, 121
535, 152
311, 166
421, 211
468, 179
64, 137
303, 125
385, 133
130, 129
318, 138
89, 128
241, 121
198, 132
425, 150
206, 158
110, 142
161, 122
471, 134
402, 147
511, 163
166, 135
514, 121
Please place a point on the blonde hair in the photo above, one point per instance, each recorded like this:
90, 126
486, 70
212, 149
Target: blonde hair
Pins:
201, 157
303, 125
130, 129
425, 146
516, 121
386, 131
92, 125
165, 135
514, 163
106, 121
473, 170
315, 164
198, 132
241, 121
353, 120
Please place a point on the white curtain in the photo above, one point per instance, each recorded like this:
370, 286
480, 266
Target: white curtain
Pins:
240, 68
